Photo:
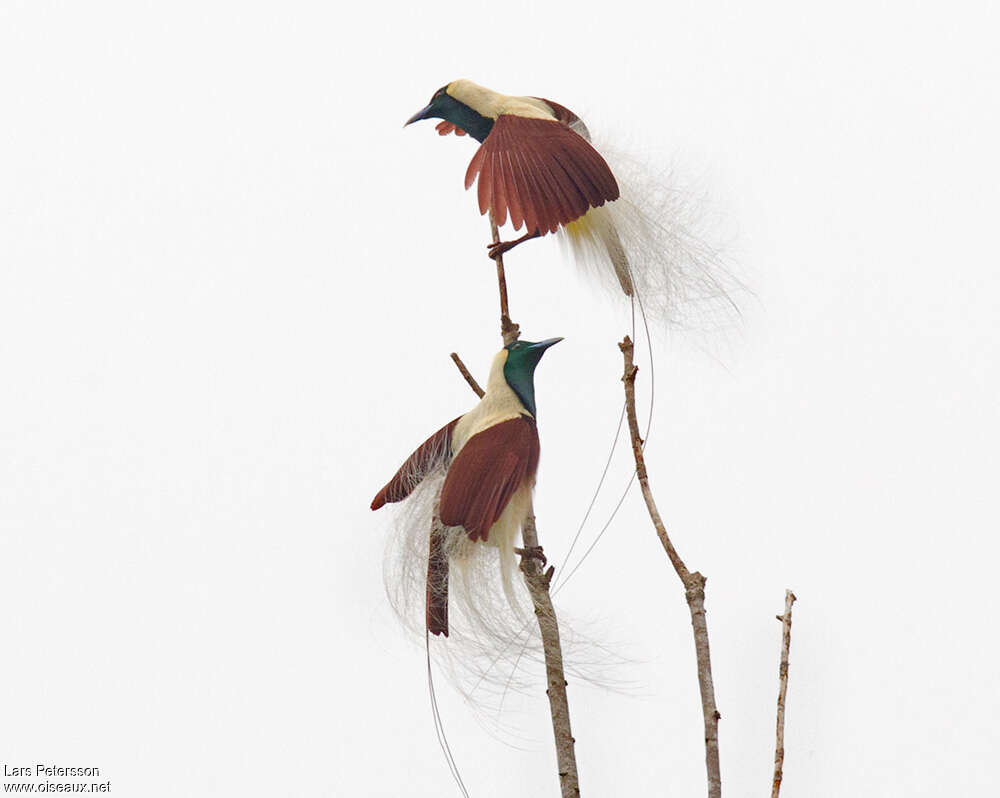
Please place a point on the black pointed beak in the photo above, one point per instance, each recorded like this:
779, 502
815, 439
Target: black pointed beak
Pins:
536, 350
423, 113
541, 346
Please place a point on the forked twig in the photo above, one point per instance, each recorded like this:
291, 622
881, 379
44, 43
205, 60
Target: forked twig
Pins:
694, 584
786, 643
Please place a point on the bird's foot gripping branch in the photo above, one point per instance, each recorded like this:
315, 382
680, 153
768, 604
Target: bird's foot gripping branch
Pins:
535, 552
498, 248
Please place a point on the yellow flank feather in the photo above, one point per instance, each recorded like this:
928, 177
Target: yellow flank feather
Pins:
595, 233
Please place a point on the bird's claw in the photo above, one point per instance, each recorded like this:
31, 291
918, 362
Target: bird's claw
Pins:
497, 248
534, 552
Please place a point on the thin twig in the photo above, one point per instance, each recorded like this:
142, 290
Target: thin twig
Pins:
694, 584
508, 329
468, 376
786, 643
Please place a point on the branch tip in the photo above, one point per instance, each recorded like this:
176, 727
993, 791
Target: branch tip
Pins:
468, 376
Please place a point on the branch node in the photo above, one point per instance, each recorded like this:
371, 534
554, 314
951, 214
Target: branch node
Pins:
532, 553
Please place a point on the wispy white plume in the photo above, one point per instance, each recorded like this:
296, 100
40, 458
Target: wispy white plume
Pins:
658, 226
493, 647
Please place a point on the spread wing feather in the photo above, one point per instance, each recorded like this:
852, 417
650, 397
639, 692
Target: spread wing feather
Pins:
435, 451
514, 191
487, 471
540, 172
532, 192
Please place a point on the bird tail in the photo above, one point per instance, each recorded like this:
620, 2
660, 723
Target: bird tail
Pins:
437, 582
440, 581
655, 238
594, 236
493, 647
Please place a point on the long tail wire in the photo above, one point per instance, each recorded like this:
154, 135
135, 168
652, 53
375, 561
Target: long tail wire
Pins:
649, 424
442, 737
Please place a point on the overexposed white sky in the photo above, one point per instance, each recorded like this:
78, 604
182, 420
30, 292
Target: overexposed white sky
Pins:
229, 284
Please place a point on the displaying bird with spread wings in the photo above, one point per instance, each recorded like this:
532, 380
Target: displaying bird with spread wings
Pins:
535, 164
490, 457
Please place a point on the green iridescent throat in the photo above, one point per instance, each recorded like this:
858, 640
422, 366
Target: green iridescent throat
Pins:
519, 370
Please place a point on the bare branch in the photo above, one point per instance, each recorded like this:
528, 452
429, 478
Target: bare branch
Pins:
468, 376
538, 585
508, 329
694, 584
786, 643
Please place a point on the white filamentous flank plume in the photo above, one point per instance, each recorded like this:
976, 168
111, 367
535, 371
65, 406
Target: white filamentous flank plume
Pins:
676, 274
485, 604
493, 645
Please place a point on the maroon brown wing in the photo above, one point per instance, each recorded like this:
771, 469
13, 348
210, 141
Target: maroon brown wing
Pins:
567, 117
540, 172
435, 451
487, 471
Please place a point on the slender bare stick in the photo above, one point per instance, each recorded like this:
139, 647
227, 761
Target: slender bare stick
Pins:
468, 376
694, 585
786, 644
508, 329
538, 585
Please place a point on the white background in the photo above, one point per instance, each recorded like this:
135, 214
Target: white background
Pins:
229, 284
